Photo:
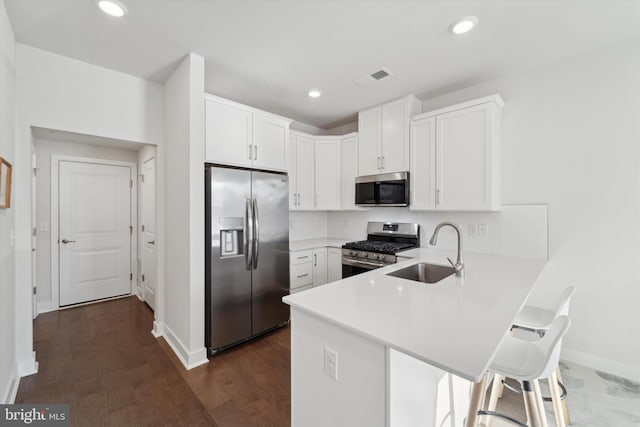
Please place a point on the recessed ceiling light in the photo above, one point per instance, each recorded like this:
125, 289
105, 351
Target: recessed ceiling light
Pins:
112, 7
314, 93
464, 25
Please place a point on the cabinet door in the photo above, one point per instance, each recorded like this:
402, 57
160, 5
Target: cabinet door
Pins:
327, 176
349, 172
227, 134
334, 264
292, 167
464, 150
423, 164
305, 172
369, 142
394, 139
270, 137
319, 266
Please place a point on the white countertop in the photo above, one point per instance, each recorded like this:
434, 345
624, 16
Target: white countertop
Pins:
301, 245
455, 324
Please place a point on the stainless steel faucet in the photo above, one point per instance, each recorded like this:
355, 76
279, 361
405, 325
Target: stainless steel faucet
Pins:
459, 264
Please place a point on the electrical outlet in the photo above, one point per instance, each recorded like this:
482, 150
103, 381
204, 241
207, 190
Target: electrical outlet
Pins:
331, 363
483, 230
472, 230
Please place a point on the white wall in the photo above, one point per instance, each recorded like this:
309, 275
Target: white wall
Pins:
60, 93
571, 139
184, 210
45, 148
8, 362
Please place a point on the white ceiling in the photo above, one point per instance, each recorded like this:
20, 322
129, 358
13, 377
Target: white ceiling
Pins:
268, 54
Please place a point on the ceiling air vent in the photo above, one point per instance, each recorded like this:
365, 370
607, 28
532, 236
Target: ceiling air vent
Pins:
374, 77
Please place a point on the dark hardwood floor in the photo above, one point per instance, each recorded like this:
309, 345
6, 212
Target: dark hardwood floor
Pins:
102, 360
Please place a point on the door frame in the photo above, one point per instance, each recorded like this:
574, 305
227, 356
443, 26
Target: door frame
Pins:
55, 224
143, 289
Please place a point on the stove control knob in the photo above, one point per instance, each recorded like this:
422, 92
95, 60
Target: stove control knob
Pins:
381, 257
365, 255
354, 253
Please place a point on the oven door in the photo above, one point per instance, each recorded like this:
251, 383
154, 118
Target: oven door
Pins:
351, 267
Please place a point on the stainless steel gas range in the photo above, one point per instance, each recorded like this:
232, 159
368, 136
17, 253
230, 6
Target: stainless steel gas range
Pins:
384, 241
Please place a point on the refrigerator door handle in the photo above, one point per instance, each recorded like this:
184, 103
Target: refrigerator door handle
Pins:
256, 233
248, 233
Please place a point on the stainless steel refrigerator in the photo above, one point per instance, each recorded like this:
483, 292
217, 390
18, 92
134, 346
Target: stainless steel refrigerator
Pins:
247, 254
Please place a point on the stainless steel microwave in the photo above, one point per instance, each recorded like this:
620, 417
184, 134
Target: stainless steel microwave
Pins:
389, 189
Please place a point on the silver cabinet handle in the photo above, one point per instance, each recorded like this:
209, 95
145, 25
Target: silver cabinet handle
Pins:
382, 163
153, 242
303, 257
303, 275
315, 260
248, 228
65, 241
437, 197
250, 146
256, 233
379, 165
255, 152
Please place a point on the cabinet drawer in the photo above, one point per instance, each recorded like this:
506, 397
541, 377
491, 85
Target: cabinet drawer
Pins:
301, 275
300, 257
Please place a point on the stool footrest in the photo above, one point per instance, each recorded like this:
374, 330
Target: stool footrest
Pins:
506, 417
563, 396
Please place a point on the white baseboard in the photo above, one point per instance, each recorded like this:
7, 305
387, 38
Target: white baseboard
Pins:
601, 364
9, 395
46, 306
190, 360
158, 329
28, 367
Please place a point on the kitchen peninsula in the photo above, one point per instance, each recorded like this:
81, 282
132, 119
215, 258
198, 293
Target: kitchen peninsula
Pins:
362, 346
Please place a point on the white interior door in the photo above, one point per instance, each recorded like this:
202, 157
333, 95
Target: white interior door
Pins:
149, 231
94, 232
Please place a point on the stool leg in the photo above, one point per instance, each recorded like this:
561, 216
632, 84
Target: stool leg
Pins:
493, 397
543, 416
555, 398
531, 404
478, 392
565, 406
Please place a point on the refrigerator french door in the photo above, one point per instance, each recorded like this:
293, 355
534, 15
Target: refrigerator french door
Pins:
247, 254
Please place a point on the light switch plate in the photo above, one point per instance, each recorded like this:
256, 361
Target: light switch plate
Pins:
472, 230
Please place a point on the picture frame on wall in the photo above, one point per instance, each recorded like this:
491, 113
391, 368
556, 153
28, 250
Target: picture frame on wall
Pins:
5, 183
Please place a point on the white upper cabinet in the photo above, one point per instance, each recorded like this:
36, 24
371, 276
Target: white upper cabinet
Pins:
328, 173
349, 150
369, 142
456, 157
228, 136
383, 143
302, 173
239, 135
270, 142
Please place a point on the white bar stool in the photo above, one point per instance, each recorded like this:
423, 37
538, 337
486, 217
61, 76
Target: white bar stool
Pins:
537, 320
525, 361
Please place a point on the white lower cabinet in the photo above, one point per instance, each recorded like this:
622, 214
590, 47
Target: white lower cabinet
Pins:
334, 264
319, 266
300, 270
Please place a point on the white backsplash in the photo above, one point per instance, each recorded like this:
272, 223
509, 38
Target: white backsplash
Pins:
517, 230
307, 225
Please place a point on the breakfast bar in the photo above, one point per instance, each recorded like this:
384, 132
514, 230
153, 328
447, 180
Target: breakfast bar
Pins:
379, 350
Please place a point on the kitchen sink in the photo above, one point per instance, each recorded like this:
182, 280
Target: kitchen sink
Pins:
423, 272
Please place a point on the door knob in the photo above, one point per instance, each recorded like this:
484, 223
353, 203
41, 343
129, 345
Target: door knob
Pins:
65, 241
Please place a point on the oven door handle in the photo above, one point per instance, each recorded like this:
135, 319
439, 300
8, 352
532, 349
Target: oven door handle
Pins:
357, 263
